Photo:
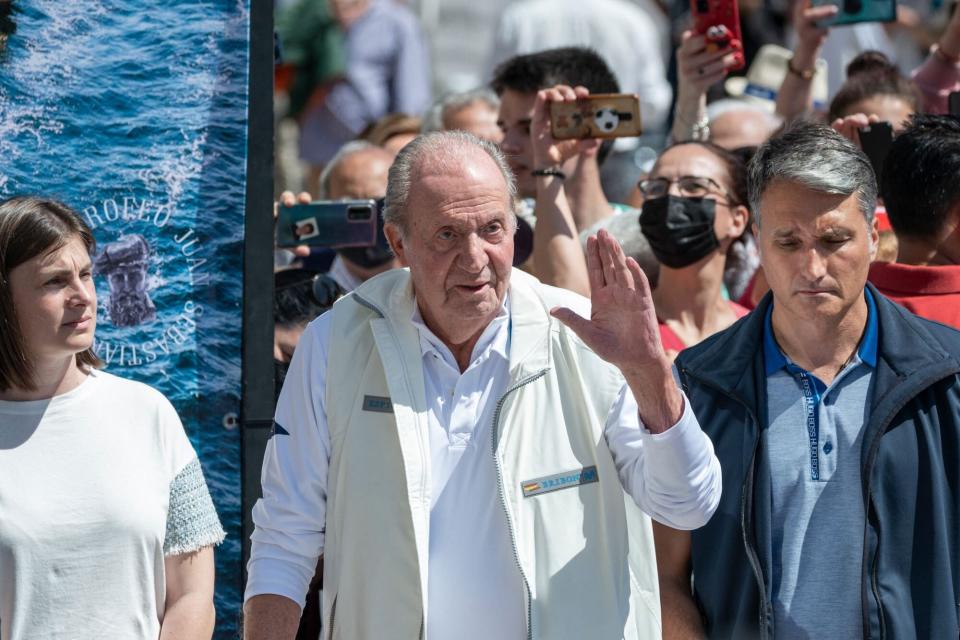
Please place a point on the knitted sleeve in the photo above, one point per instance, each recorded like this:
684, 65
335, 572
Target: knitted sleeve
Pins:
192, 521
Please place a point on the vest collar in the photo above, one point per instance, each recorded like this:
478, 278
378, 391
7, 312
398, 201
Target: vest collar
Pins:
391, 295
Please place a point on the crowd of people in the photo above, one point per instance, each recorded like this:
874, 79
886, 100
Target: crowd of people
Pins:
571, 390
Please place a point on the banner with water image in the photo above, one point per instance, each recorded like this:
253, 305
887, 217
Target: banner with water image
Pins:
133, 112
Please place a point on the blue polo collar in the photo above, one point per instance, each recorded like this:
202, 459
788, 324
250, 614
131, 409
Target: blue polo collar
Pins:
774, 359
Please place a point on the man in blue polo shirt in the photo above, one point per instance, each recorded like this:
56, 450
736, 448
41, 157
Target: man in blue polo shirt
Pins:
835, 414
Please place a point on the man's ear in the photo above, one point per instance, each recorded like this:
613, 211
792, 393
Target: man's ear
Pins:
874, 238
395, 239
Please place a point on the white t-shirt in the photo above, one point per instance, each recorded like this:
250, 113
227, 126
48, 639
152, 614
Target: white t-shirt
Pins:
97, 485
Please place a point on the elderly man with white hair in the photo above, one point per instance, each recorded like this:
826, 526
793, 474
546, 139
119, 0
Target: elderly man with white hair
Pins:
471, 111
472, 457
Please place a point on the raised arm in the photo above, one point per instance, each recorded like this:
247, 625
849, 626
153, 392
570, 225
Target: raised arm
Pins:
557, 255
665, 461
795, 97
698, 69
940, 72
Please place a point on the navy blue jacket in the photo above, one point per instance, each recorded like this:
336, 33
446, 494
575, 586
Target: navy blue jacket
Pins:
910, 586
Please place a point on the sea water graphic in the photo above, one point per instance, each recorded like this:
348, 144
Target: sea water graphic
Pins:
134, 113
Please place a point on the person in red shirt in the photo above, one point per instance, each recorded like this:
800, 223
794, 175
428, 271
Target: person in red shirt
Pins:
694, 208
921, 191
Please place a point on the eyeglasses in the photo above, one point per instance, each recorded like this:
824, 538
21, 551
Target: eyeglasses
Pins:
690, 186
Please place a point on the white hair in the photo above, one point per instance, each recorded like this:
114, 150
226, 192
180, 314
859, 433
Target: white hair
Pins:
433, 119
440, 148
347, 150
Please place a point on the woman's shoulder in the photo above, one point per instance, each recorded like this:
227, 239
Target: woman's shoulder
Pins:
132, 397
126, 389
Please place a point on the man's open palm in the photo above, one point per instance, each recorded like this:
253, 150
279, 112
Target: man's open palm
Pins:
623, 327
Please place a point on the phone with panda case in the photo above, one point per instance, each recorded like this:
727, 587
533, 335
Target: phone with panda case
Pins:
602, 115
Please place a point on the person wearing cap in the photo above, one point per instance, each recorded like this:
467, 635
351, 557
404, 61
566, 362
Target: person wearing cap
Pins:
922, 195
836, 417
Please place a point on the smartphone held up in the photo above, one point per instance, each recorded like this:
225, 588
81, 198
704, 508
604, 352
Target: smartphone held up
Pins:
602, 115
854, 11
719, 22
336, 224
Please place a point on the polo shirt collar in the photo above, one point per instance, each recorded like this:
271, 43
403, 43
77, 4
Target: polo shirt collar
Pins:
774, 359
495, 338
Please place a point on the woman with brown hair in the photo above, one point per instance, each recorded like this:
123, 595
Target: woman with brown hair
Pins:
106, 524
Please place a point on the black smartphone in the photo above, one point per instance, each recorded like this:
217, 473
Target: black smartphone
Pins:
953, 103
875, 140
337, 224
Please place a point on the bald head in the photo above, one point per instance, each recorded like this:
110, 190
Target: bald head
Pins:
445, 153
736, 128
359, 171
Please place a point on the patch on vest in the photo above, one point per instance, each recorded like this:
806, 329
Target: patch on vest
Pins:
559, 481
378, 404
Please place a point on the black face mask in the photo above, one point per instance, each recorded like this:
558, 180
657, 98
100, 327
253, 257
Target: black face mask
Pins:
368, 257
375, 256
679, 230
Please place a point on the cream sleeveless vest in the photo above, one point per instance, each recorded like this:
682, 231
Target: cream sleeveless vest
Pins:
584, 549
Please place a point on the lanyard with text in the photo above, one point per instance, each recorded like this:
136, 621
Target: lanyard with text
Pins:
812, 392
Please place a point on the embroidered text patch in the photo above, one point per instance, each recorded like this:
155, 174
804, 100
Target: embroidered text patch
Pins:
559, 481
378, 404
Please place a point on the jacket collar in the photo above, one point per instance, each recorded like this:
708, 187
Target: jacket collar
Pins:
907, 348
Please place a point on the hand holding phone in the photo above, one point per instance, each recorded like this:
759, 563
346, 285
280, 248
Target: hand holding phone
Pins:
602, 115
719, 22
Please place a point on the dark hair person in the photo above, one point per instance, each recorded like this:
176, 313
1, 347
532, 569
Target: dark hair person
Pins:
875, 86
106, 524
694, 209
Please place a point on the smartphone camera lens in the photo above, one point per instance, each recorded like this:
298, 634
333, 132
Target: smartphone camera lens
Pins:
359, 214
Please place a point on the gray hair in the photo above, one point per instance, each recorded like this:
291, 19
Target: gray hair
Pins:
350, 148
817, 157
433, 119
440, 148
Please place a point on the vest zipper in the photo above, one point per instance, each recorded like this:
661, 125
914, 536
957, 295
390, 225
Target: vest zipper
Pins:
746, 498
495, 440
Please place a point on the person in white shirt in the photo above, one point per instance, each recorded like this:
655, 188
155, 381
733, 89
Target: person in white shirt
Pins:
464, 447
633, 38
106, 524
